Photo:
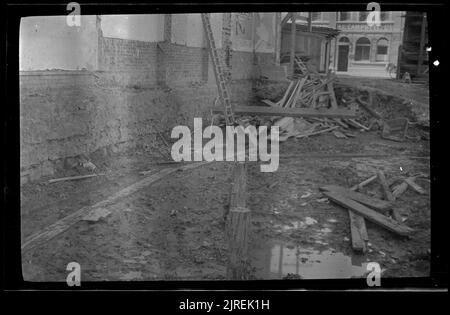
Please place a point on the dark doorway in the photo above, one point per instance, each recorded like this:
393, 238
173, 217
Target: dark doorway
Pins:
343, 58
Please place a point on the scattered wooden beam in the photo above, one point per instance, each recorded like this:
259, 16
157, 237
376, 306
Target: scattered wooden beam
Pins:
43, 236
384, 184
364, 183
388, 194
410, 181
399, 189
358, 228
293, 101
358, 232
74, 178
367, 107
374, 203
238, 224
358, 125
291, 112
369, 214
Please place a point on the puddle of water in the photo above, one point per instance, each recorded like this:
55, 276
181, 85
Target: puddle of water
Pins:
309, 263
295, 225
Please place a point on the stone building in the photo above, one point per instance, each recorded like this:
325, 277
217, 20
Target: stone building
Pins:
360, 49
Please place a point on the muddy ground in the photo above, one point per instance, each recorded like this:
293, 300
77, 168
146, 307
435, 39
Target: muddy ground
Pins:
173, 229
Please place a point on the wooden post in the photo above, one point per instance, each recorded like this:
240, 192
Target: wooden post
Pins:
422, 44
237, 228
278, 31
293, 37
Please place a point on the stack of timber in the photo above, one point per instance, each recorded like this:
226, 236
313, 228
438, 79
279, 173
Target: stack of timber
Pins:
361, 207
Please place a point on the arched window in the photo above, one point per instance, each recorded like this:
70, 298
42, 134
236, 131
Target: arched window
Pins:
344, 41
362, 49
382, 49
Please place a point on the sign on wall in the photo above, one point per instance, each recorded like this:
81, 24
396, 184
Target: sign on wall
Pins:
265, 32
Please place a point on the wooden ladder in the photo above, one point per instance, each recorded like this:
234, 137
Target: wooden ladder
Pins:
224, 94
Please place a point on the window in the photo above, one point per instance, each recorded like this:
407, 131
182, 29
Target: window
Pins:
384, 16
316, 16
344, 41
344, 16
362, 49
363, 16
382, 49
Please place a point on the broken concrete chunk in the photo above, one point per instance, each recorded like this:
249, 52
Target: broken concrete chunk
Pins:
96, 214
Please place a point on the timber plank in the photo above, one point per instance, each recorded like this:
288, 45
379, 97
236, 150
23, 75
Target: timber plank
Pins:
358, 232
374, 203
389, 195
291, 112
369, 214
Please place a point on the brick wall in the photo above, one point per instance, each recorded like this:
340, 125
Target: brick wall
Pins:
141, 87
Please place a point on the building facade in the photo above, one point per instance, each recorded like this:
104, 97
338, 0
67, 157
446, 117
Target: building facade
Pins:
360, 49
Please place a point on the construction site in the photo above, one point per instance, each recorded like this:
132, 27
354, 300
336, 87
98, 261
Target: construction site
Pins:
99, 186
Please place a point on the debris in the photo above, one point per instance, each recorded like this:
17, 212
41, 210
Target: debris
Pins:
356, 124
374, 203
384, 184
413, 185
368, 107
364, 183
74, 177
322, 200
339, 134
89, 165
389, 196
395, 129
285, 123
399, 189
369, 214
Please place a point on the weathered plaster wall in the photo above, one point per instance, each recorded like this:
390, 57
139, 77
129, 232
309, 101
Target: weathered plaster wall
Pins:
145, 27
49, 43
